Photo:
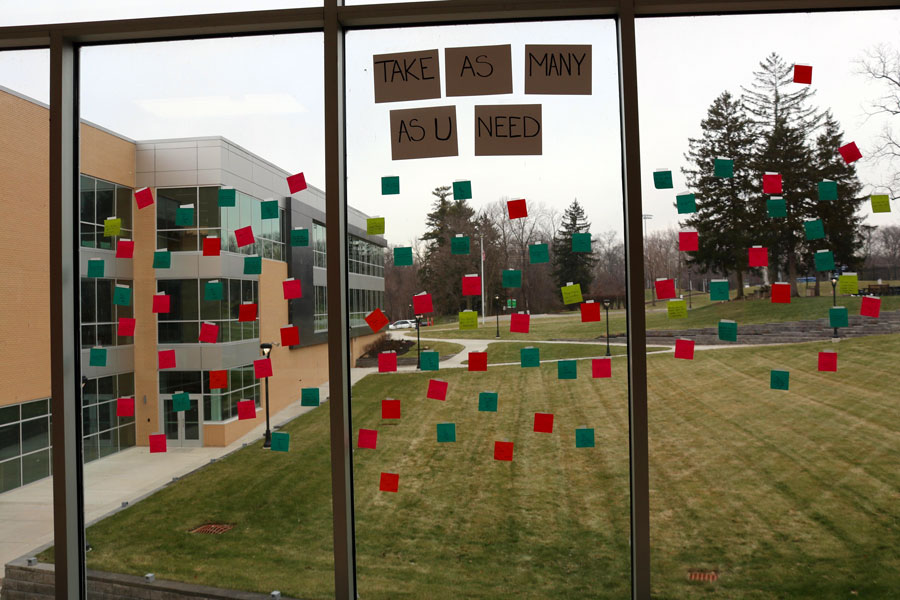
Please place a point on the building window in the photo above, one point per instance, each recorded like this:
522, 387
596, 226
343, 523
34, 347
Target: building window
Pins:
221, 405
320, 315
320, 253
105, 433
362, 302
181, 325
364, 257
99, 316
101, 200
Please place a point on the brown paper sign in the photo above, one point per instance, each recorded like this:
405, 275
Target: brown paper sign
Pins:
557, 69
508, 129
423, 132
478, 70
407, 76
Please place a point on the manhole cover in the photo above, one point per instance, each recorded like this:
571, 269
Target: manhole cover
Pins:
703, 576
213, 528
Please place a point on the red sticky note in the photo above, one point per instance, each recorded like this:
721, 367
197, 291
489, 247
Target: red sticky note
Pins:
590, 312
437, 389
161, 303
390, 482
143, 197
802, 74
368, 438
772, 183
684, 349
218, 380
422, 304
688, 241
262, 367
290, 335
471, 285
478, 361
390, 409
126, 326
870, 307
503, 450
828, 361
244, 236
665, 289
781, 293
247, 312
601, 368
246, 410
157, 442
209, 333
125, 249
376, 320
850, 152
125, 407
519, 323
291, 289
758, 256
212, 246
296, 183
166, 359
543, 423
517, 208
387, 362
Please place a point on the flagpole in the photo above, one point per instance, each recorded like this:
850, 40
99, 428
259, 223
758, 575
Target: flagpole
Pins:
481, 247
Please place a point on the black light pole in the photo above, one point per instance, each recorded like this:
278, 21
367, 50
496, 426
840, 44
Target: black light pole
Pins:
834, 281
410, 309
418, 346
266, 349
606, 308
497, 310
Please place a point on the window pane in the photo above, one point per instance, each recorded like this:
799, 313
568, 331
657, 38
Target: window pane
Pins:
10, 474
91, 449
9, 441
88, 300
208, 215
168, 201
184, 303
89, 420
126, 384
35, 409
105, 300
185, 240
9, 414
88, 202
123, 206
35, 434
126, 436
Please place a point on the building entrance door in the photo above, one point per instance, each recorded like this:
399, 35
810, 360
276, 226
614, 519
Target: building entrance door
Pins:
183, 428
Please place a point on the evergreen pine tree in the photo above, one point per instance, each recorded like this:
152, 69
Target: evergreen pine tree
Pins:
577, 267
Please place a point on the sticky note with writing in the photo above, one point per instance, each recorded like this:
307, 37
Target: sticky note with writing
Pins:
487, 401
543, 423
519, 323
558, 69
814, 229
601, 368
512, 278
662, 179
181, 401
850, 153
828, 361
227, 197
375, 226
122, 295
126, 326
184, 216
390, 186
517, 209
389, 482
478, 70
508, 130
299, 237
429, 361
468, 319
162, 259
779, 380
848, 283
478, 361
459, 245
212, 246
688, 241
424, 132
581, 242
143, 197
157, 442
827, 190
296, 183
124, 248
590, 312
881, 203
281, 441
218, 380
403, 256
437, 389
776, 208
781, 293
97, 357
665, 288
402, 76
125, 407
772, 183
422, 304
503, 451
166, 359
446, 432
758, 256
838, 317
212, 290
387, 362
247, 311
96, 267
462, 190
723, 167
567, 369
309, 396
824, 260
368, 438
728, 330
390, 409
686, 203
803, 74
584, 437
376, 320
209, 333
718, 290
112, 227
268, 209
571, 293
676, 309
471, 285
253, 265
161, 303
538, 253
262, 367
244, 236
684, 349
291, 288
530, 357
870, 306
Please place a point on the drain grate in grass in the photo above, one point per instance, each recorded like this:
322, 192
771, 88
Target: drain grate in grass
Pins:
213, 528
697, 575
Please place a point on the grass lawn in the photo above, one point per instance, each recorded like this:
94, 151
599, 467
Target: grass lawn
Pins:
505, 352
443, 348
786, 494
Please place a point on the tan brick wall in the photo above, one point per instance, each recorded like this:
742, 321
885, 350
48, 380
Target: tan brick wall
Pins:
107, 157
146, 372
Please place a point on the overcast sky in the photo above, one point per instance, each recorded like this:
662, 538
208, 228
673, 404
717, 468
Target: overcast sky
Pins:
265, 93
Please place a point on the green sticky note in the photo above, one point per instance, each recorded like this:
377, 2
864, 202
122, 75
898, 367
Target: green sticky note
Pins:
571, 294
676, 309
779, 380
112, 227
686, 203
837, 317
538, 253
299, 237
309, 396
181, 402
184, 216
566, 369
530, 357
212, 290
390, 186
848, 283
584, 437
512, 278
459, 245
727, 330
227, 197
662, 180
824, 260
403, 257
281, 441
468, 319
252, 265
162, 259
827, 190
881, 203
96, 267
718, 290
815, 229
122, 295
462, 190
723, 167
98, 357
487, 402
268, 209
429, 361
776, 207
446, 432
375, 226
581, 242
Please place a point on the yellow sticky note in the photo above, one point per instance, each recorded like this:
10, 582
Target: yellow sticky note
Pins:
375, 226
881, 203
677, 309
112, 227
848, 283
468, 319
571, 294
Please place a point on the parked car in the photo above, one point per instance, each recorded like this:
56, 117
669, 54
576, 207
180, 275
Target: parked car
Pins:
402, 324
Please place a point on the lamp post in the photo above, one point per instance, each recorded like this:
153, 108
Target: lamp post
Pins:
834, 281
497, 310
410, 310
418, 347
606, 308
266, 349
